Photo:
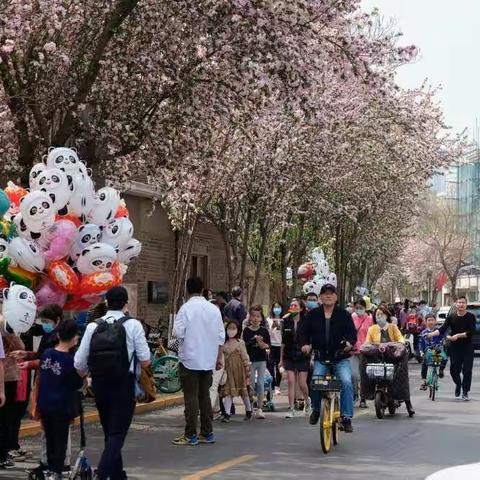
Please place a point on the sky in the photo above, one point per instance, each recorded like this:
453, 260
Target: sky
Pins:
447, 32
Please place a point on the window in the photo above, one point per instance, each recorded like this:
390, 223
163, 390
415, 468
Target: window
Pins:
199, 268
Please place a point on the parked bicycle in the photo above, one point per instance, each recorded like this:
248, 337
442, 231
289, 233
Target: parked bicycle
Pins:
164, 363
330, 421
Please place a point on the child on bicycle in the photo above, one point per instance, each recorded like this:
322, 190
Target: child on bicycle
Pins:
425, 342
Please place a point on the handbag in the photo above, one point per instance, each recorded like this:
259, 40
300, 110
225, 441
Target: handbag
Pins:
173, 343
22, 385
223, 378
145, 386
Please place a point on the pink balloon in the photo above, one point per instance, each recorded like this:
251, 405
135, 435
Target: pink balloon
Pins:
49, 293
59, 240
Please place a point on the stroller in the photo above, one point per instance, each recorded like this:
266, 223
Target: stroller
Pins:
268, 403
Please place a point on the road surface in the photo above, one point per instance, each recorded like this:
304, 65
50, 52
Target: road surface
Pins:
442, 434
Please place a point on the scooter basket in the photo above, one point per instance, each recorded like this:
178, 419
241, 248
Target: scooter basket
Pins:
325, 384
380, 371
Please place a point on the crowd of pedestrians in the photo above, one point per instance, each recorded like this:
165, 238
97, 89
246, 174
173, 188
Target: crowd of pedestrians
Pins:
226, 351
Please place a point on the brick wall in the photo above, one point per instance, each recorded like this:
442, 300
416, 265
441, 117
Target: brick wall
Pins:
157, 260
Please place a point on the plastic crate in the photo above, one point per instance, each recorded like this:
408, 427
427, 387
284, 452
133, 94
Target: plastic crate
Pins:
325, 384
380, 371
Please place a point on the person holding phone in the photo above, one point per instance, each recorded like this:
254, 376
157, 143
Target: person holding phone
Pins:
274, 322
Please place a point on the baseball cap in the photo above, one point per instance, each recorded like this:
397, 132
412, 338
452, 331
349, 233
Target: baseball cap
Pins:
328, 287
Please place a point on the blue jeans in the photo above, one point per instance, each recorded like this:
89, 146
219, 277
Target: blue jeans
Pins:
343, 371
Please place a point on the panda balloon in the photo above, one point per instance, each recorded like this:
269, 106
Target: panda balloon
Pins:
38, 212
19, 308
105, 206
311, 287
26, 255
65, 159
130, 252
118, 233
99, 257
87, 235
36, 170
83, 195
332, 279
3, 247
55, 182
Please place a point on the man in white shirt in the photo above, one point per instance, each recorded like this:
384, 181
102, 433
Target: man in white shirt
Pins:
199, 328
114, 393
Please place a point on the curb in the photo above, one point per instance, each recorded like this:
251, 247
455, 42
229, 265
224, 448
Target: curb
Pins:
33, 428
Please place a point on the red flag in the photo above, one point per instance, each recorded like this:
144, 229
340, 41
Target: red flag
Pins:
441, 280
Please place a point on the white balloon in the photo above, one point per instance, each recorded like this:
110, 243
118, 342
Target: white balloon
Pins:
311, 287
96, 258
83, 194
130, 251
322, 268
26, 255
65, 159
3, 247
332, 279
118, 232
19, 308
105, 206
55, 182
87, 235
34, 173
22, 229
38, 212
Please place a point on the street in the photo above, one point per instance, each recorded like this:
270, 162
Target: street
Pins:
442, 434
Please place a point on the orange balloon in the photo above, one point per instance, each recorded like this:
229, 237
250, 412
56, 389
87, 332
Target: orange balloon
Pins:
122, 210
100, 282
76, 304
305, 272
3, 283
63, 275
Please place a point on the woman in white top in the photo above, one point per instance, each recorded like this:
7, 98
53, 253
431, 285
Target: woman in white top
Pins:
274, 323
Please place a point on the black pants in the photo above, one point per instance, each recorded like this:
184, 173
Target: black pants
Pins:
56, 429
116, 404
272, 365
461, 361
8, 420
196, 385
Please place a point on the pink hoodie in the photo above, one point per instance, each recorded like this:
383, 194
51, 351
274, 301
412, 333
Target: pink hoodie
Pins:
362, 324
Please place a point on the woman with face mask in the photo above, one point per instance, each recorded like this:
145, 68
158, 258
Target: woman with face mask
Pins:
274, 322
383, 332
237, 371
363, 321
295, 362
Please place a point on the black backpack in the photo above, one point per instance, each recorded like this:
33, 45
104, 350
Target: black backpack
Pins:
108, 355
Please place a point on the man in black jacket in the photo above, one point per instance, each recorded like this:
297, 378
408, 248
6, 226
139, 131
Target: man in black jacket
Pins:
329, 330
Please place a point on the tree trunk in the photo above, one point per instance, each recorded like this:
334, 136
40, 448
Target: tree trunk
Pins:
283, 267
258, 268
246, 235
228, 258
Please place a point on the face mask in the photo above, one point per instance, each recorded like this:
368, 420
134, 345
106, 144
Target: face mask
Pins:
277, 311
231, 332
381, 321
360, 312
312, 304
48, 327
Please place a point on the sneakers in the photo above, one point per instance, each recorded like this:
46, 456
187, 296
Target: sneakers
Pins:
277, 391
210, 438
347, 425
7, 464
184, 440
259, 414
363, 404
248, 416
307, 409
423, 386
458, 389
465, 397
314, 416
17, 455
218, 416
226, 419
291, 413
53, 476
441, 374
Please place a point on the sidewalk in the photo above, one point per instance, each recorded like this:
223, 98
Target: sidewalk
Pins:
31, 428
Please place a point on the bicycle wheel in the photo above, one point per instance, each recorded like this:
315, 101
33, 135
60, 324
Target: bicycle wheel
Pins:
336, 419
379, 405
165, 372
326, 425
434, 385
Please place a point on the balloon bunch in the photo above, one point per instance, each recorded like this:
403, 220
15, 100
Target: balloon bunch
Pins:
316, 273
62, 239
